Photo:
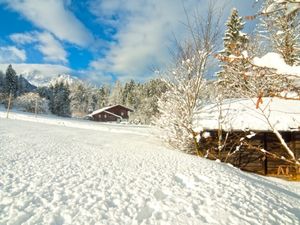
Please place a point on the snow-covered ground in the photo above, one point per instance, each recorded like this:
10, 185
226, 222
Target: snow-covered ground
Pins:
60, 173
73, 122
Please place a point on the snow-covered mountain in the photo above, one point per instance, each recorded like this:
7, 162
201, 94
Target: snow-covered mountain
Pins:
41, 80
65, 78
39, 74
36, 78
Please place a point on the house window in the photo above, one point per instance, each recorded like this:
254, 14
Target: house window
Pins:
105, 116
122, 113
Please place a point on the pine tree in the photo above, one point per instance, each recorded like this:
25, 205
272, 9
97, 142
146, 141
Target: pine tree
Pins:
93, 100
79, 98
129, 97
116, 94
21, 86
103, 95
234, 40
44, 92
59, 100
11, 81
2, 82
234, 55
281, 28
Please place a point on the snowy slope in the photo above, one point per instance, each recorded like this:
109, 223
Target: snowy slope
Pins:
53, 174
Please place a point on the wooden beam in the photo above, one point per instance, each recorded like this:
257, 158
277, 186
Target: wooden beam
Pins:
265, 162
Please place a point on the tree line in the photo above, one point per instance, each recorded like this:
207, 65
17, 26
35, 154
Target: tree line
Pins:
78, 98
11, 83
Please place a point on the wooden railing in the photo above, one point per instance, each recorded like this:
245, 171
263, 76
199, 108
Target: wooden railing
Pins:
288, 170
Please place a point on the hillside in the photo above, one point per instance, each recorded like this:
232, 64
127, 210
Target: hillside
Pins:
63, 174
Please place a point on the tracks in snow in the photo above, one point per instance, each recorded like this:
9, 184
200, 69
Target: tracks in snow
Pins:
58, 175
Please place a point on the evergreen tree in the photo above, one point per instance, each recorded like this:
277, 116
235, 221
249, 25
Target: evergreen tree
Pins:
79, 98
281, 28
21, 86
235, 40
143, 98
59, 99
234, 55
93, 100
116, 94
2, 77
44, 92
129, 97
11, 81
103, 95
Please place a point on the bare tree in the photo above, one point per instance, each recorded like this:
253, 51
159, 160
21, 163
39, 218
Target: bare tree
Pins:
186, 81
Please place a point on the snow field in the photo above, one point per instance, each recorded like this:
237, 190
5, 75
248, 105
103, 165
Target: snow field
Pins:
53, 174
75, 123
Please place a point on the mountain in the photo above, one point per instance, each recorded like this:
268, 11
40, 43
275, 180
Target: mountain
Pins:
65, 78
38, 74
25, 84
36, 78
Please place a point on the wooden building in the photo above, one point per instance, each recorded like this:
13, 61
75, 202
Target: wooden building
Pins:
247, 131
115, 113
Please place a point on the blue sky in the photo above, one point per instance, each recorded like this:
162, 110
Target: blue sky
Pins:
96, 40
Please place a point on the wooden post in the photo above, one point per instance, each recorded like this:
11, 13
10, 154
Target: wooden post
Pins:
9, 103
265, 162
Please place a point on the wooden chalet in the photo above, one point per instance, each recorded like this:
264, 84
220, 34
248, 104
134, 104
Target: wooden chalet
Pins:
240, 121
115, 113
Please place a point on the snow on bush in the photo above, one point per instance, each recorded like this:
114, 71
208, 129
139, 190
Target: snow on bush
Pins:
32, 102
177, 104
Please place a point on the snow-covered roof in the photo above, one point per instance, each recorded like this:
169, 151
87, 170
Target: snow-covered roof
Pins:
275, 61
99, 110
242, 114
106, 108
115, 115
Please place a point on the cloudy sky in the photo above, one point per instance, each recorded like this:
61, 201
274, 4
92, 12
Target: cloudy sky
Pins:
97, 40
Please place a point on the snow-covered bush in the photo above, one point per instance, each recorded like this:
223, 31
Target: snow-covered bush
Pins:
177, 104
186, 81
32, 102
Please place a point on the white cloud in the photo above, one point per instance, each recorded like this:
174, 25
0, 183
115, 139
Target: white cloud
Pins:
53, 16
22, 38
11, 54
51, 48
145, 30
95, 77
